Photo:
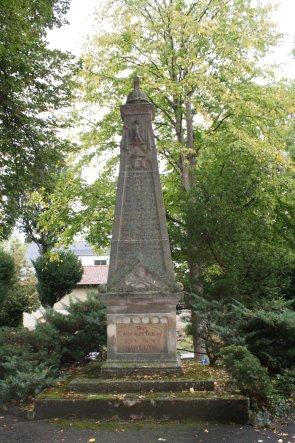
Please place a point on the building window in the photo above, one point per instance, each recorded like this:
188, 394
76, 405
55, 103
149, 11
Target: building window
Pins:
100, 262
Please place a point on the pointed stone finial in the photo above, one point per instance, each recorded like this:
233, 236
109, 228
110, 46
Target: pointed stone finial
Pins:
136, 83
137, 95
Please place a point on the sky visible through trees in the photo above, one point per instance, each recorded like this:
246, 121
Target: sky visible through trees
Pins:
81, 23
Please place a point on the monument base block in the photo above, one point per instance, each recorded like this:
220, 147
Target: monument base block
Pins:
141, 333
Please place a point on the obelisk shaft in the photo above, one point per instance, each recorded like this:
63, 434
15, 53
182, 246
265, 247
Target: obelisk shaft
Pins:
140, 252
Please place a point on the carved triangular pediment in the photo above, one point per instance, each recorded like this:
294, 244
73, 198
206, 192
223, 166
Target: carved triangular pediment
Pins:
138, 276
141, 278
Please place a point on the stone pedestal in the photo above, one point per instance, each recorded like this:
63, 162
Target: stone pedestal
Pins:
141, 333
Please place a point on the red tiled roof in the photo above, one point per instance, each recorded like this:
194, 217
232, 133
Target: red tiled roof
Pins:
94, 275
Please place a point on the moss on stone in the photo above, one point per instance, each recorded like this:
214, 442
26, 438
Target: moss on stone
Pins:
191, 370
62, 392
121, 426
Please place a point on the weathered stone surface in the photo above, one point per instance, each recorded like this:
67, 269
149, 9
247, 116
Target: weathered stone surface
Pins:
141, 329
141, 295
112, 385
140, 257
159, 407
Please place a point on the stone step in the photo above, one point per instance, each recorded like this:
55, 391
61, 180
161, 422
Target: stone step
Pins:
156, 406
142, 385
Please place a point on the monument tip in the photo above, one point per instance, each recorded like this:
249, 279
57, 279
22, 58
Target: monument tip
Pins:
137, 95
136, 83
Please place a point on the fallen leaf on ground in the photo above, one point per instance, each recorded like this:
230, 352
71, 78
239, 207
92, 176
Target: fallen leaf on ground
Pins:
91, 440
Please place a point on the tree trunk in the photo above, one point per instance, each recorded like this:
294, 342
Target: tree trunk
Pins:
194, 266
197, 288
187, 160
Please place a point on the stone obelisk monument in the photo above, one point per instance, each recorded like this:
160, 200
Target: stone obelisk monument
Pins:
141, 293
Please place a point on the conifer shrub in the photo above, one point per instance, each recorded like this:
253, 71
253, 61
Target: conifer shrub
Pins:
19, 299
30, 361
82, 331
7, 274
249, 376
269, 333
57, 276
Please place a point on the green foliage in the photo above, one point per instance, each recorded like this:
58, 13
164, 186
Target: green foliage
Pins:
19, 290
284, 383
33, 206
239, 215
19, 300
57, 276
6, 274
201, 80
269, 333
28, 363
82, 331
216, 324
35, 82
77, 206
267, 329
32, 360
248, 374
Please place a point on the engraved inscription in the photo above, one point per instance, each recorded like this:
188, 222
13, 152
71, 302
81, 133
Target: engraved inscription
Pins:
142, 338
140, 219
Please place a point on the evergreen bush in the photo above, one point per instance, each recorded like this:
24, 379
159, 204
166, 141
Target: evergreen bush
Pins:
249, 376
19, 299
269, 333
32, 360
7, 274
82, 331
28, 362
57, 276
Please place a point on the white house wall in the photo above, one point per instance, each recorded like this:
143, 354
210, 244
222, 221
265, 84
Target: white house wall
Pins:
88, 260
77, 294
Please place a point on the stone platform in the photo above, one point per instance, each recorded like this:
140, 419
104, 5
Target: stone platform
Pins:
138, 397
132, 408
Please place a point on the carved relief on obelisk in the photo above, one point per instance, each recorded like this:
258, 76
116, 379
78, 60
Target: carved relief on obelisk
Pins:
140, 246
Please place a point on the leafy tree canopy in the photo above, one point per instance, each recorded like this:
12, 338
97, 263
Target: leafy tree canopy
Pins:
199, 63
34, 83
